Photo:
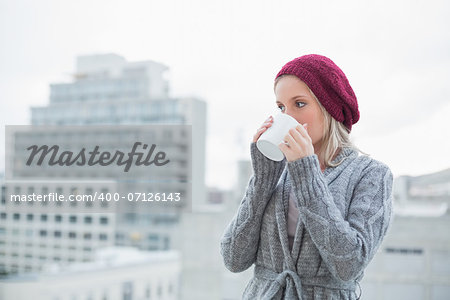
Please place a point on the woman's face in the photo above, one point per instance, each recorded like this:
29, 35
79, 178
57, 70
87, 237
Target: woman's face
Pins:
294, 99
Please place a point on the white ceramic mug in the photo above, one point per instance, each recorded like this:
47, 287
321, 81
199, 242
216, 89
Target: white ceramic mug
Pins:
268, 142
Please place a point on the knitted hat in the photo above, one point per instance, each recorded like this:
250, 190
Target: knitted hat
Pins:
330, 85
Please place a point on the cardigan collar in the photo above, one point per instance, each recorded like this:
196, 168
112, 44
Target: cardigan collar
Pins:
346, 154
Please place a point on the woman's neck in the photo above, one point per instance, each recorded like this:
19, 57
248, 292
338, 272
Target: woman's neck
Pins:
322, 159
321, 162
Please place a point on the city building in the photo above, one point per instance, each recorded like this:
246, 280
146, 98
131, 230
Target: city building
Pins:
109, 90
115, 273
106, 91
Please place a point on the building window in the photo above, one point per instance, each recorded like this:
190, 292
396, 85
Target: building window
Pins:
153, 237
147, 292
404, 251
72, 235
57, 234
58, 218
119, 236
16, 216
44, 192
170, 289
43, 232
44, 218
73, 219
30, 217
59, 191
127, 290
30, 192
166, 243
104, 204
87, 236
103, 236
103, 220
3, 194
74, 192
160, 290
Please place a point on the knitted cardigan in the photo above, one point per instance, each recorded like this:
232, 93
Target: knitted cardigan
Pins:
344, 213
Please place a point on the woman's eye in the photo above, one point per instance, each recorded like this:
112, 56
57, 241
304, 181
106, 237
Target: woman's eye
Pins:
300, 104
281, 107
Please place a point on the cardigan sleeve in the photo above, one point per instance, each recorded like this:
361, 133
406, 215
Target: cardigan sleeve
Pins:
240, 240
345, 245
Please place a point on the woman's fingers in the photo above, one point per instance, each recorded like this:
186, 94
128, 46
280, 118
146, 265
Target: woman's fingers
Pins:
283, 147
292, 143
270, 118
302, 129
297, 136
297, 143
267, 123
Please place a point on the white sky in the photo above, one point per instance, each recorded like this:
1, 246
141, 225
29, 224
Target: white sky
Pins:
396, 55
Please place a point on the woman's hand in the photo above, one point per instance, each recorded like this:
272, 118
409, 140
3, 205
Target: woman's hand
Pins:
299, 143
267, 123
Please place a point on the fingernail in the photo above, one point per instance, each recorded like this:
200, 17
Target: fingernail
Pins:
306, 124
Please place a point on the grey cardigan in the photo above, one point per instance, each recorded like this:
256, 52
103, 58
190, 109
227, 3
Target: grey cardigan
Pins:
344, 213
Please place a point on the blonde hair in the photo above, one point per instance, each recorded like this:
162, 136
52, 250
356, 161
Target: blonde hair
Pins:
335, 135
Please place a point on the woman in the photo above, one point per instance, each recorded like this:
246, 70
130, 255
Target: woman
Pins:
312, 222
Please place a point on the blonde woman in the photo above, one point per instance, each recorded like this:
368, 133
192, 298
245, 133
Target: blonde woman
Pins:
312, 222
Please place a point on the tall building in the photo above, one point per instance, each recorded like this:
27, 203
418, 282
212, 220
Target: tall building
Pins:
106, 90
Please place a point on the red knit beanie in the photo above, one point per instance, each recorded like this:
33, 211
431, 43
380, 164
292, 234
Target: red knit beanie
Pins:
330, 85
